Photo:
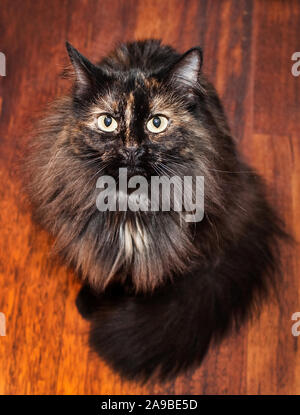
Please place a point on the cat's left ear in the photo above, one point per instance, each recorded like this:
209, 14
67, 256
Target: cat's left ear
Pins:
185, 72
87, 74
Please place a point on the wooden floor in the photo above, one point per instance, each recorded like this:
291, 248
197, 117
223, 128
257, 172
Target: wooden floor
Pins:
247, 48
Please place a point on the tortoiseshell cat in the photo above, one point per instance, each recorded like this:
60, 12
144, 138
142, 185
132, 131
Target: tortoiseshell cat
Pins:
158, 290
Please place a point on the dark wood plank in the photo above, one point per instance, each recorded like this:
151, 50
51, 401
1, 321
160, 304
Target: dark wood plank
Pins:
270, 342
276, 94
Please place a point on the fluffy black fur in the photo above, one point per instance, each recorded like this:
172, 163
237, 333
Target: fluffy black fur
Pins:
156, 305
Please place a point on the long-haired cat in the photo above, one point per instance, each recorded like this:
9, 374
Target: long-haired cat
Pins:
157, 289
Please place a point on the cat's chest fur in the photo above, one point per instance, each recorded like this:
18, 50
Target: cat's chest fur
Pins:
146, 247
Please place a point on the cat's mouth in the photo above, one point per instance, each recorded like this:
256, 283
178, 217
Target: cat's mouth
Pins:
135, 168
126, 171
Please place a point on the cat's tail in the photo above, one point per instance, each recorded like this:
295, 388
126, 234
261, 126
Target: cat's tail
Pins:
158, 335
169, 331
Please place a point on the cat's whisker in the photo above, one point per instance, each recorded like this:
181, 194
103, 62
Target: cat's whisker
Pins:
176, 184
233, 172
162, 170
171, 157
99, 171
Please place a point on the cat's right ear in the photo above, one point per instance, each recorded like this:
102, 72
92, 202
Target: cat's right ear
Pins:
185, 72
87, 74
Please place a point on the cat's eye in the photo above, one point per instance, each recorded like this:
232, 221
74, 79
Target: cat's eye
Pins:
107, 123
157, 124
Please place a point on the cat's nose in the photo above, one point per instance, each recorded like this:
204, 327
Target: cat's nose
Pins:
131, 153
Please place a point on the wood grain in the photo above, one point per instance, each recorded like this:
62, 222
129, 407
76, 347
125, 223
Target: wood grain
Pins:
248, 47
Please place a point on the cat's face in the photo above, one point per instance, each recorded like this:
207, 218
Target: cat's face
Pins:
144, 123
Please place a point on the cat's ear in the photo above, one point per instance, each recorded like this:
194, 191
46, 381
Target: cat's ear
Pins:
86, 73
185, 72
